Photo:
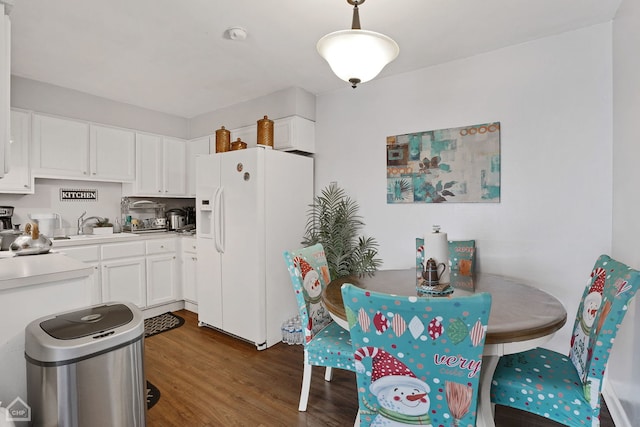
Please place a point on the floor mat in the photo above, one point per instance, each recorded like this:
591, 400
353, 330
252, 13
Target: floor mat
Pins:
162, 323
153, 395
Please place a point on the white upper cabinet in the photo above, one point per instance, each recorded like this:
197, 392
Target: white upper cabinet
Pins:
292, 133
148, 158
66, 148
195, 147
160, 167
5, 86
174, 167
60, 147
112, 153
18, 179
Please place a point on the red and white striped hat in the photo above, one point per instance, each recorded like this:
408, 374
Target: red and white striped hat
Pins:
386, 370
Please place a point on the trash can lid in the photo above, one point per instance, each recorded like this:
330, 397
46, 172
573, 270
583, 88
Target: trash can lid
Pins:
87, 322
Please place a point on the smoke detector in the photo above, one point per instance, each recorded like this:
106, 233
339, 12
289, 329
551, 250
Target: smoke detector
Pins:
236, 33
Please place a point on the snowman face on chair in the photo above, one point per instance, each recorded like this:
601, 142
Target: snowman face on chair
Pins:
312, 285
591, 305
409, 399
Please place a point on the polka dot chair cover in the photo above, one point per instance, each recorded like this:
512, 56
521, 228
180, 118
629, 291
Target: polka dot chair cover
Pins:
563, 388
418, 359
325, 342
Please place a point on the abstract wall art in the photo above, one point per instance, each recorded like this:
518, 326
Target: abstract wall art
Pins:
457, 165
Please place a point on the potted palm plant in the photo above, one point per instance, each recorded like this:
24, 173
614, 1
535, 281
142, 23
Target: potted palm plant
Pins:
334, 222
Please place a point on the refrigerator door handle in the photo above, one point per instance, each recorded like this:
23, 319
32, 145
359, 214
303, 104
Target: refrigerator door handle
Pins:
219, 219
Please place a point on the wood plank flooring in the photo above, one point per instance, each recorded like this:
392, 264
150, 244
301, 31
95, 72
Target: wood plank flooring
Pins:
207, 378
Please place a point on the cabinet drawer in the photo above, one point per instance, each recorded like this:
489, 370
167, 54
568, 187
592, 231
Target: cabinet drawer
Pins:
122, 250
161, 246
83, 253
189, 245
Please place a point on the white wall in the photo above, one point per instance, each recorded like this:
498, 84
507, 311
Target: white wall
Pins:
46, 199
284, 103
625, 376
553, 100
46, 98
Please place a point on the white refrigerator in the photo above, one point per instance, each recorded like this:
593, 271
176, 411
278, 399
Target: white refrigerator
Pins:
251, 205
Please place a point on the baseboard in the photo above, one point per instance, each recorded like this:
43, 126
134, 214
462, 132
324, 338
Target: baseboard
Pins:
616, 410
160, 309
190, 306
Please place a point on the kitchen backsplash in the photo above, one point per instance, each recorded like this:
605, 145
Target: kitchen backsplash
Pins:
47, 199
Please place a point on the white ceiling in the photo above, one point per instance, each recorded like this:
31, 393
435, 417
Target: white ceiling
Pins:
171, 56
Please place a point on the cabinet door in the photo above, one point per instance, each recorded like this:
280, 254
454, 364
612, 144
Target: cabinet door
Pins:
161, 279
124, 280
5, 88
294, 134
112, 153
189, 265
148, 165
18, 180
248, 134
174, 167
60, 147
195, 147
91, 255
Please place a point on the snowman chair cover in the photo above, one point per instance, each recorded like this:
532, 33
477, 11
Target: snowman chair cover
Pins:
563, 388
325, 342
417, 359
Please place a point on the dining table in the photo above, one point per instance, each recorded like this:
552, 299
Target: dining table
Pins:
522, 316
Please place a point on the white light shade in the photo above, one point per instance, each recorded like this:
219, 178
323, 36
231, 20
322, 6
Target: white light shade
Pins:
357, 54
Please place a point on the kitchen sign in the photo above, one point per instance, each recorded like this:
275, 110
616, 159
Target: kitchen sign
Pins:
83, 195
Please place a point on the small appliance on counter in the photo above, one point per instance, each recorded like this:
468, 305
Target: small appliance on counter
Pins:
176, 219
6, 212
142, 216
47, 222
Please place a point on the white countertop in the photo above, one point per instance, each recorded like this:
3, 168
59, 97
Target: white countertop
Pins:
92, 239
18, 271
31, 270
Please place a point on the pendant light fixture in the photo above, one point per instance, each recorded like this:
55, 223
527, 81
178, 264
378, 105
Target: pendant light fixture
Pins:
356, 55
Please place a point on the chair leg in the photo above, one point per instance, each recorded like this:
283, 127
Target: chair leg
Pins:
328, 373
306, 385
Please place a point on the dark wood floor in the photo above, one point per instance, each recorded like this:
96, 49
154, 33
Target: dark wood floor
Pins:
207, 378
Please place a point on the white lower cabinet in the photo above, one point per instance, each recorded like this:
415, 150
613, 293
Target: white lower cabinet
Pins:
145, 272
189, 265
91, 255
124, 272
162, 271
124, 280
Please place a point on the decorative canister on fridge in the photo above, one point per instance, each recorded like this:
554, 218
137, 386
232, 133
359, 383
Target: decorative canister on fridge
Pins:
238, 145
223, 140
265, 131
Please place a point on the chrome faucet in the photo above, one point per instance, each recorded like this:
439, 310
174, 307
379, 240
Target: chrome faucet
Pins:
82, 221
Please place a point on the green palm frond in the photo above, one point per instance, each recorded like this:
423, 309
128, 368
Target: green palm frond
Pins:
333, 221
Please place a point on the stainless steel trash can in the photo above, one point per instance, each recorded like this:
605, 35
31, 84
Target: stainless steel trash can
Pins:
86, 367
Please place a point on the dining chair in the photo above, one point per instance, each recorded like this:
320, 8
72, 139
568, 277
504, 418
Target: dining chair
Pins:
325, 342
418, 359
567, 389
